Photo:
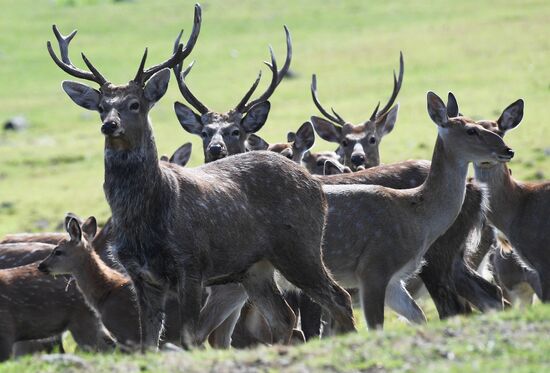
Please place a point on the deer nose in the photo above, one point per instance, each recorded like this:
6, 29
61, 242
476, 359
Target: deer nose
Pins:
510, 153
109, 127
43, 268
358, 159
215, 149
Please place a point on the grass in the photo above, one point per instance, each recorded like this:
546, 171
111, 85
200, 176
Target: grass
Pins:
487, 55
513, 340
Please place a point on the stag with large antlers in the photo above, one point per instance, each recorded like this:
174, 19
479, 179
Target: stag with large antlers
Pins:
177, 230
358, 143
225, 134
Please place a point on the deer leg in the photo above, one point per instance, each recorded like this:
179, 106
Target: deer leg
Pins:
151, 300
90, 334
189, 297
475, 289
222, 302
264, 293
311, 276
221, 337
6, 344
399, 300
310, 317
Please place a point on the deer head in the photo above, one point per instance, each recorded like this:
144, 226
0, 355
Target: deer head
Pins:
509, 119
358, 143
466, 138
324, 163
225, 134
71, 253
123, 109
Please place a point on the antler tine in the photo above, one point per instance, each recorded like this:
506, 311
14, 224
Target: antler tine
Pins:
396, 87
277, 76
337, 115
373, 115
180, 52
139, 74
186, 93
240, 106
338, 119
65, 63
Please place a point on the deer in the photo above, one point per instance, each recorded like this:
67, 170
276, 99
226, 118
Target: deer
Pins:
35, 306
176, 229
225, 134
358, 143
106, 291
518, 209
379, 253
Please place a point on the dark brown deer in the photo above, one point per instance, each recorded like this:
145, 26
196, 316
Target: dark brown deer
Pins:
519, 210
177, 230
226, 134
35, 306
358, 143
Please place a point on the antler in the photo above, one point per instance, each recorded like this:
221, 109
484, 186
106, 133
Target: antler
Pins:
65, 63
277, 77
396, 87
179, 51
336, 118
180, 76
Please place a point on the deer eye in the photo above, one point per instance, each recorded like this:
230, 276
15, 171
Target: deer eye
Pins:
134, 106
372, 140
471, 131
345, 142
57, 253
236, 133
204, 135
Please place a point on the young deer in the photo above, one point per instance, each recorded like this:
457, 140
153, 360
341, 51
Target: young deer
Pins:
226, 134
358, 143
106, 290
177, 229
377, 254
518, 209
36, 306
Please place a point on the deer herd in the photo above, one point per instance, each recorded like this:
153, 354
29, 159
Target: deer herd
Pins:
265, 242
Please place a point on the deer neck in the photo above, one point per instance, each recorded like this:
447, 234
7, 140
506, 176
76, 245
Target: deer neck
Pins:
96, 280
443, 191
132, 179
503, 193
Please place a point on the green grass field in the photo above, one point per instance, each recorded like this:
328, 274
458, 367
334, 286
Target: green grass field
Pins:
488, 53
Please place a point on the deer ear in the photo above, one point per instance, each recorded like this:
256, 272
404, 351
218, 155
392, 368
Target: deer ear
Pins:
327, 130
89, 228
511, 116
82, 95
437, 110
156, 86
386, 122
190, 121
69, 216
255, 142
305, 137
73, 228
256, 117
182, 154
452, 106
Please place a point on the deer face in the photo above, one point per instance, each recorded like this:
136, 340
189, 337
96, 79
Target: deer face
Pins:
294, 149
222, 134
71, 254
226, 134
324, 163
469, 140
358, 143
123, 110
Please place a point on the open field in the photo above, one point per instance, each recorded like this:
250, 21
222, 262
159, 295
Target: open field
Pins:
487, 55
